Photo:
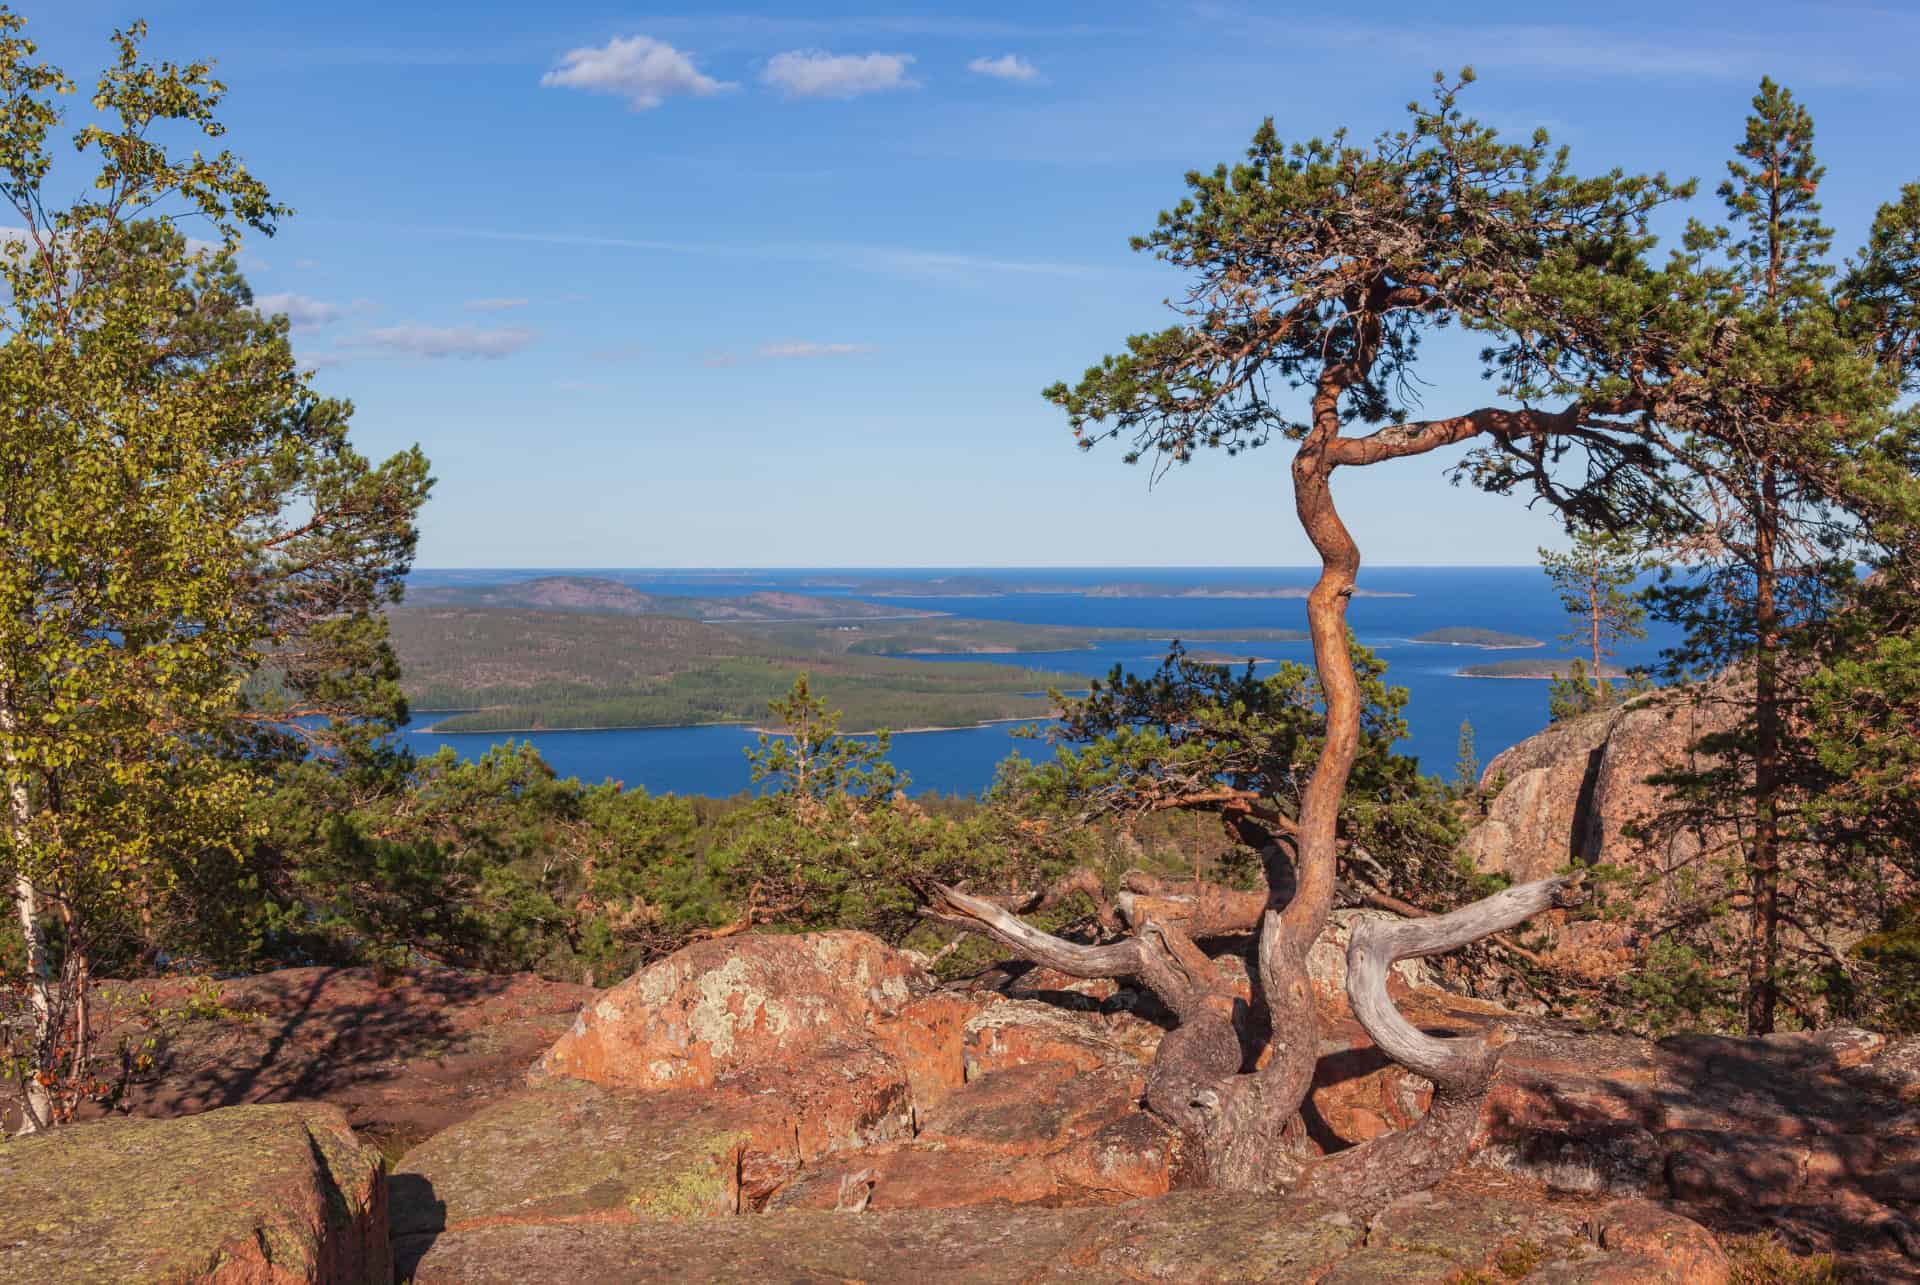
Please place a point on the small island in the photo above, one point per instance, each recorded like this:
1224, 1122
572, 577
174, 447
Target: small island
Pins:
1227, 658
1543, 668
1473, 636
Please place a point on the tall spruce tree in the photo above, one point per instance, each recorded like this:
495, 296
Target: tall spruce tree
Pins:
1775, 400
195, 557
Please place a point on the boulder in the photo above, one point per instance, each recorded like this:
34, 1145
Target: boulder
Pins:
1683, 1249
732, 1003
246, 1195
1014, 1032
1538, 820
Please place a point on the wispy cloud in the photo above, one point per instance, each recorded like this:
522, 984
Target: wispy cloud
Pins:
644, 71
433, 343
620, 352
944, 265
794, 348
504, 303
769, 26
1005, 67
304, 312
814, 73
1571, 49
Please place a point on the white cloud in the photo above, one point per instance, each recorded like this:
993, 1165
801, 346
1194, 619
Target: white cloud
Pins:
1005, 67
435, 342
814, 73
504, 303
805, 348
644, 71
301, 311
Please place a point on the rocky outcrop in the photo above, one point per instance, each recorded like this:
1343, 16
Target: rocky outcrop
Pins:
1569, 792
249, 1195
403, 1057
810, 1071
815, 1106
1576, 792
731, 1004
1459, 1232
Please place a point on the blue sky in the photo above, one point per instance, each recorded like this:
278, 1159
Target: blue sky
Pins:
780, 286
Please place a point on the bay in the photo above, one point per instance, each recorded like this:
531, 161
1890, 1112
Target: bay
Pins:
711, 760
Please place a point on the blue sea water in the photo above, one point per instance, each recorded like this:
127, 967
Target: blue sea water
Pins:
711, 760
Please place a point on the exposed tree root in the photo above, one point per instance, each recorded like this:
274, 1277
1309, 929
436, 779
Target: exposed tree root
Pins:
1243, 1126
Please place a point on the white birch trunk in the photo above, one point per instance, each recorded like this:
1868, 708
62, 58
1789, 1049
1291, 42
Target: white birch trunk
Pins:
38, 1105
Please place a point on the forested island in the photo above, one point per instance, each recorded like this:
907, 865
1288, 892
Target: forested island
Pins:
1472, 636
1218, 591
596, 654
989, 587
955, 634
596, 594
1542, 668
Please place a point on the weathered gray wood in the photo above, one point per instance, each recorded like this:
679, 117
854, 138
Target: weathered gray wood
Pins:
1377, 945
951, 906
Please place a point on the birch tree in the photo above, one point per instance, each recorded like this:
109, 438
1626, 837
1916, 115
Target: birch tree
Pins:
194, 556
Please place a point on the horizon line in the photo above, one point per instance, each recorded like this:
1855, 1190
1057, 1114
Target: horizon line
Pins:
983, 566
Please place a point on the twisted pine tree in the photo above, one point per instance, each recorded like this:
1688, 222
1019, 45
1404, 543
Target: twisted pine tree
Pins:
1314, 271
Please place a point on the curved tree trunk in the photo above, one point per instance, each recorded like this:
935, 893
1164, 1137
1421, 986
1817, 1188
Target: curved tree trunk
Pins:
1244, 1128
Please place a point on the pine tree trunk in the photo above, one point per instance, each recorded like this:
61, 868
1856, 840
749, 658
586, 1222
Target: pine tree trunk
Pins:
1250, 1145
1764, 944
1593, 617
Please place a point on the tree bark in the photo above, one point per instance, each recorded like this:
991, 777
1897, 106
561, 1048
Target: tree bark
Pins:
37, 1104
1248, 1145
1593, 611
1763, 948
1193, 1082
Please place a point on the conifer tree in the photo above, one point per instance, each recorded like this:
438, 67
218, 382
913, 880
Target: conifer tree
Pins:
1593, 579
1466, 763
1314, 271
1773, 404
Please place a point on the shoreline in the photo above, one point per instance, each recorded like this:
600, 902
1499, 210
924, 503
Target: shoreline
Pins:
1525, 646
1533, 678
435, 729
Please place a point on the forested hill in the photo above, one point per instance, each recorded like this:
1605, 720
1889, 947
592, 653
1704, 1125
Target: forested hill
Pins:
594, 594
509, 669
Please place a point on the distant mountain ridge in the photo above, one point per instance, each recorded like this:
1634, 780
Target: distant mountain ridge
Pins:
600, 596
